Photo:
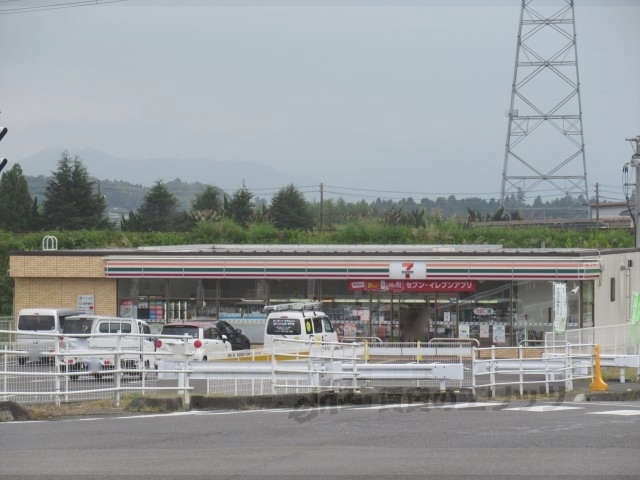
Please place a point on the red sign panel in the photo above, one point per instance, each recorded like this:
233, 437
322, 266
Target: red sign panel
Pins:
412, 286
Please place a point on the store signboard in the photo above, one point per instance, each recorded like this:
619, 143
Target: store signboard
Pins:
408, 270
86, 304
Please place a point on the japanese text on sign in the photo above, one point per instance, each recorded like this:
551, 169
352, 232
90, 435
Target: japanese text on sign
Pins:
413, 286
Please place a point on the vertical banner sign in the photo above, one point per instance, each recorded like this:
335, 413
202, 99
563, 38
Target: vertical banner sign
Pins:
635, 308
560, 307
634, 322
86, 304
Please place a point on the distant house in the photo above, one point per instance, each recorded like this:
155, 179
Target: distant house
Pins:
612, 213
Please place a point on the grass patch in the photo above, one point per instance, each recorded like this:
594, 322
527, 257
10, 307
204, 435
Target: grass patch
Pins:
105, 406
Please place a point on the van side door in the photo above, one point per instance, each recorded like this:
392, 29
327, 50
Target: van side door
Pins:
309, 329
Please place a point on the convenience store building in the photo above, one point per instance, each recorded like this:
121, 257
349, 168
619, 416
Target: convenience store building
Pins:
406, 292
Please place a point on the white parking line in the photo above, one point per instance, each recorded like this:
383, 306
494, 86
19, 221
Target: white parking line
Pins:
543, 408
455, 406
616, 412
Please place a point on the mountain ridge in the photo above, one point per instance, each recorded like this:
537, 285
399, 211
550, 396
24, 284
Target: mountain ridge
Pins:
224, 174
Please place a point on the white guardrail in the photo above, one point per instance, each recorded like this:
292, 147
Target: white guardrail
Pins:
291, 367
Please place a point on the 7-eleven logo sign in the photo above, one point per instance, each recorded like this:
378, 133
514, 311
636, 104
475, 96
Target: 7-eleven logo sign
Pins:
408, 270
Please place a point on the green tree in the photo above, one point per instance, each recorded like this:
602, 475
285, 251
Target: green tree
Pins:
290, 210
207, 205
240, 207
16, 206
158, 212
70, 202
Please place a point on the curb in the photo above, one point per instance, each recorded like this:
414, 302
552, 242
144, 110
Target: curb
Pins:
301, 400
11, 411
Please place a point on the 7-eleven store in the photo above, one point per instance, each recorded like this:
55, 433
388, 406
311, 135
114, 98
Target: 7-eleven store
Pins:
418, 292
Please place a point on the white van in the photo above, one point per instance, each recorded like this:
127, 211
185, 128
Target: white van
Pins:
298, 321
37, 329
88, 340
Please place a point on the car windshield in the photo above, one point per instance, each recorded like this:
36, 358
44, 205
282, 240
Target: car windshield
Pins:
225, 328
36, 322
180, 330
77, 325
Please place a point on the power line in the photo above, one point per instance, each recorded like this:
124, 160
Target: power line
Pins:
53, 6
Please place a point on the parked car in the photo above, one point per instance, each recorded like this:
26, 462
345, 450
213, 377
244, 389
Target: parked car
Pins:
298, 321
36, 331
235, 337
204, 341
88, 341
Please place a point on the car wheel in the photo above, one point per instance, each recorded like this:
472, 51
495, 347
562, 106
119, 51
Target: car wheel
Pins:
204, 359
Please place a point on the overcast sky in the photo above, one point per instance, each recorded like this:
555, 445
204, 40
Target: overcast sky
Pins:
368, 97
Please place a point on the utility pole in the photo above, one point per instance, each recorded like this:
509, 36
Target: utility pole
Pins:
635, 162
597, 205
321, 206
3, 161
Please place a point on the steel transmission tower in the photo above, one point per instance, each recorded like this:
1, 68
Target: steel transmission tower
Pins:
544, 153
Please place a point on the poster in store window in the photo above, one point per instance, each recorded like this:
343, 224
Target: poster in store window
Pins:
499, 333
464, 331
484, 330
127, 308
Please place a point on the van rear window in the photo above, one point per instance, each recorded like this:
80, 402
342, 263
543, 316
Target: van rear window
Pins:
283, 326
177, 330
77, 325
36, 322
114, 327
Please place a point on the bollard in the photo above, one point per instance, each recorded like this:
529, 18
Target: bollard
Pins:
597, 385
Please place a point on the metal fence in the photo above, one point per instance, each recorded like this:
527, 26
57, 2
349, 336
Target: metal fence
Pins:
292, 367
553, 367
615, 339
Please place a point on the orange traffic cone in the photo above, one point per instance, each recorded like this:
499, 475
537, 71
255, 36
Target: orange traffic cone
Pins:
597, 385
